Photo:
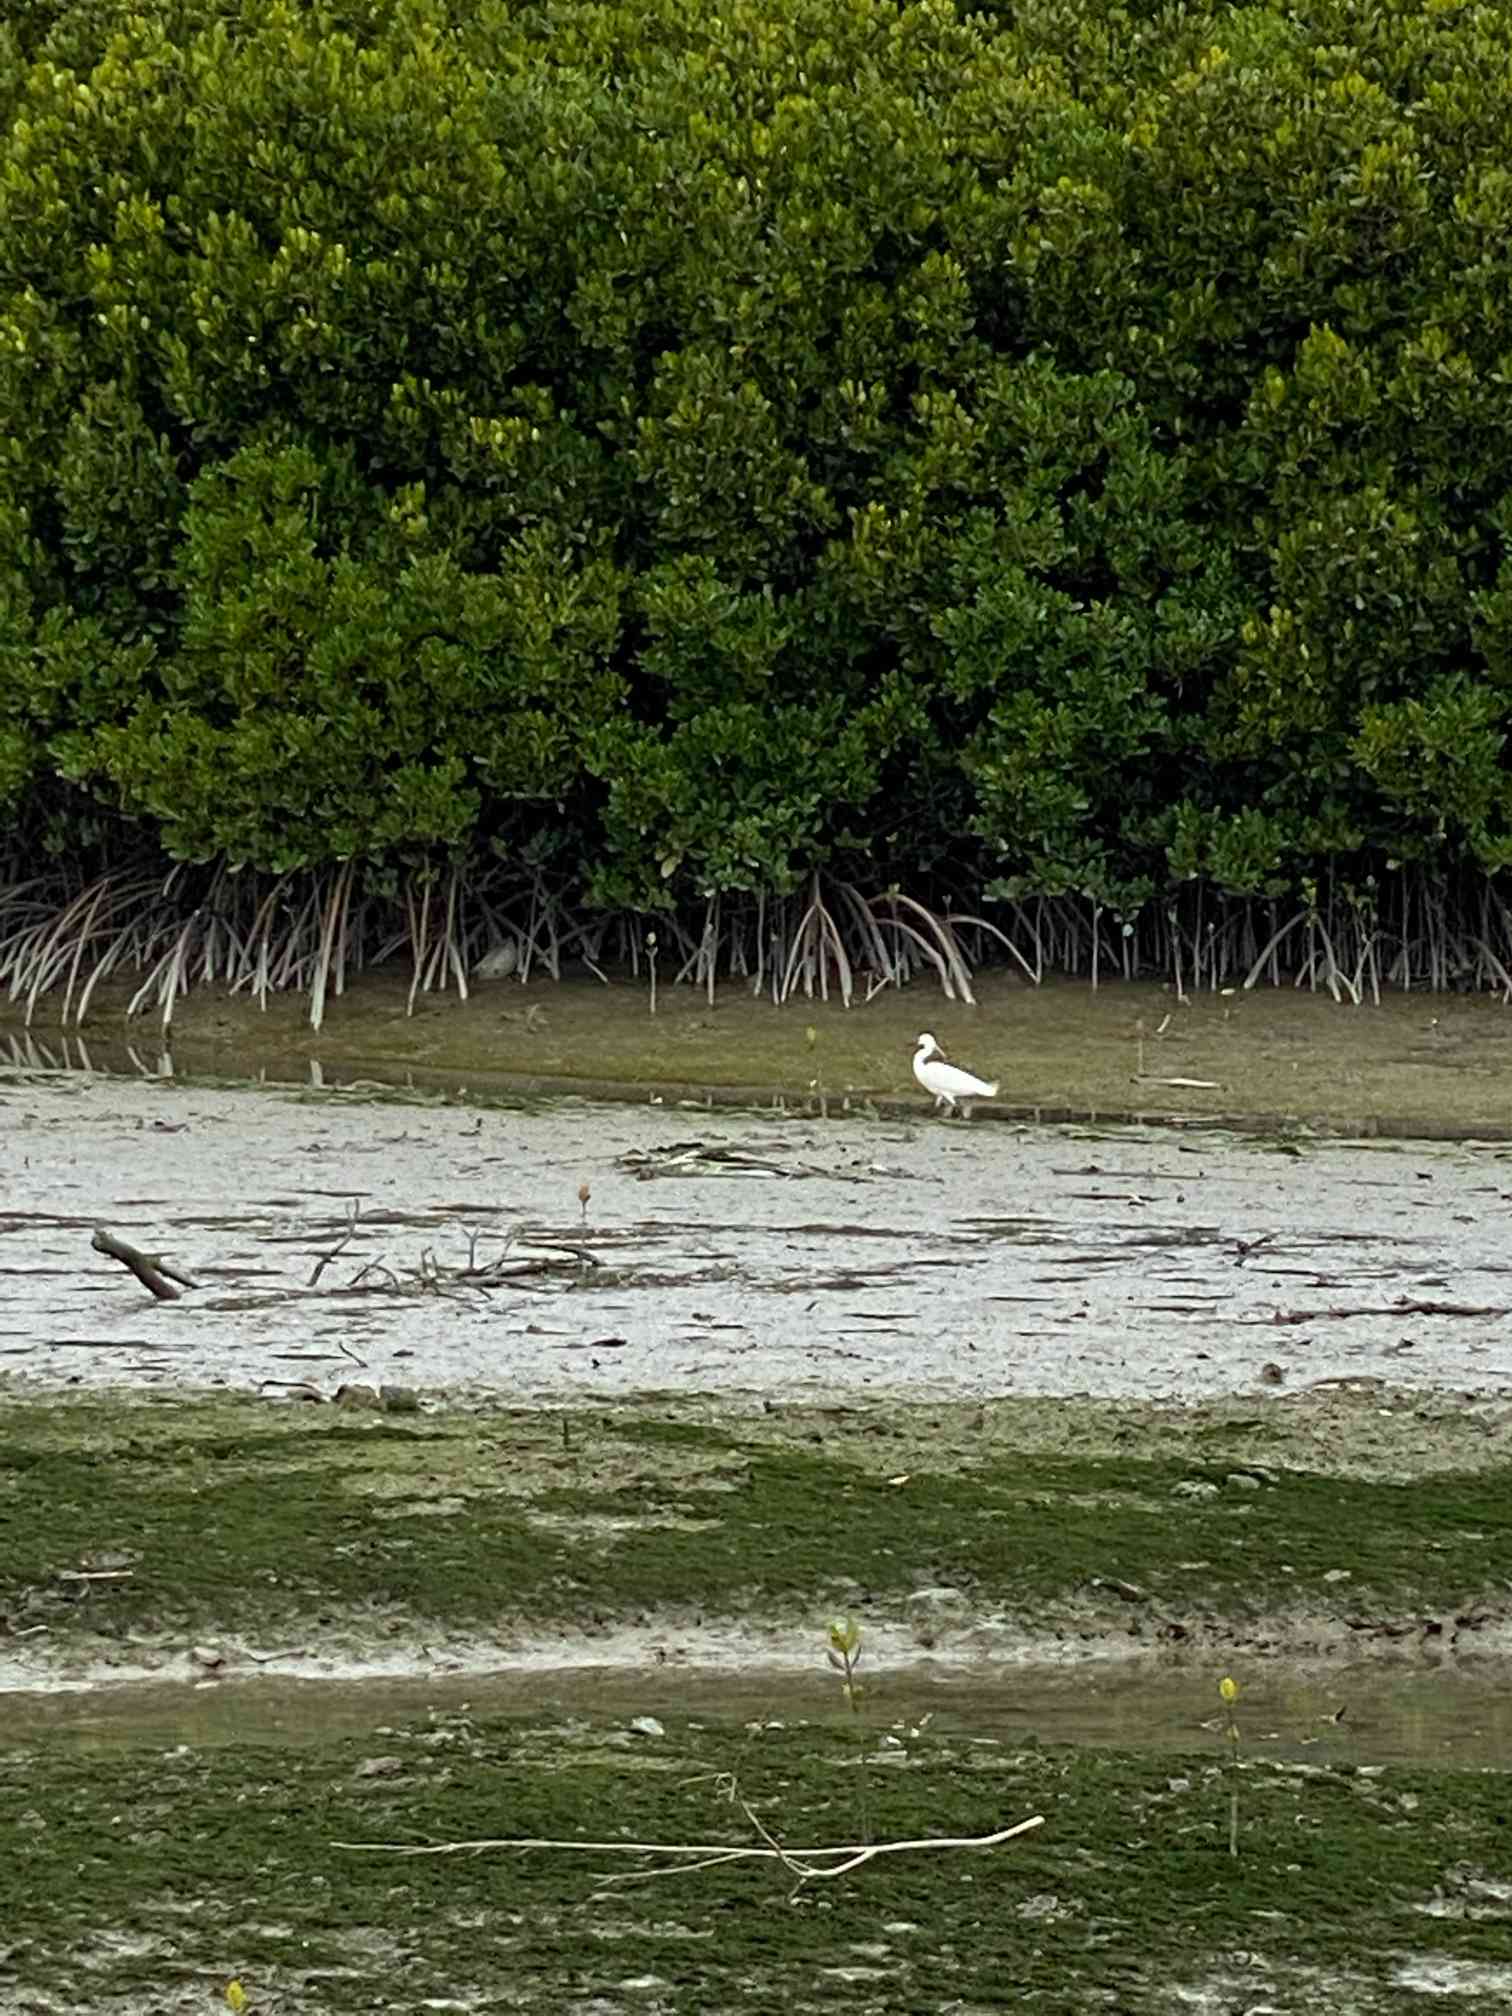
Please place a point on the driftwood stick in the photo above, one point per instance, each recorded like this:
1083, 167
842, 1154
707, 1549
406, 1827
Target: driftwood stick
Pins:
154, 1273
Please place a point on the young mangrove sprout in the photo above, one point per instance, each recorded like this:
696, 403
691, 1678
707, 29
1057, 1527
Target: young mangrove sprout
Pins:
845, 1656
1228, 1691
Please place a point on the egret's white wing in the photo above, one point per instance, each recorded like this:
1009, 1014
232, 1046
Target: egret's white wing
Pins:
954, 1084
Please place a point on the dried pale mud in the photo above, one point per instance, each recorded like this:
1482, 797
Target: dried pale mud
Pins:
431, 1244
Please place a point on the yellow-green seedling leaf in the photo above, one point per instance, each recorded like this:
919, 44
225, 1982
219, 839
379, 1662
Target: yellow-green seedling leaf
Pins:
845, 1637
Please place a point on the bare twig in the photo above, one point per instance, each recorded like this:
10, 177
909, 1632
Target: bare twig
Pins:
354, 1212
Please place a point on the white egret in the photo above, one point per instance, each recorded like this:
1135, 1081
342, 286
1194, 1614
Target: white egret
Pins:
951, 1088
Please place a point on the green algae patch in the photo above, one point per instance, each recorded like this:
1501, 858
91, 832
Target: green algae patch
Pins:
150, 1879
133, 1524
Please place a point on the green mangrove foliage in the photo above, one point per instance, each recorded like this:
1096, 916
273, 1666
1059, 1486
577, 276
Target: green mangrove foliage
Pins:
1062, 450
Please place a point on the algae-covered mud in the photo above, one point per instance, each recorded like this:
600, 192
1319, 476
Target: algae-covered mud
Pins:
235, 1537
437, 1244
149, 1880
231, 1820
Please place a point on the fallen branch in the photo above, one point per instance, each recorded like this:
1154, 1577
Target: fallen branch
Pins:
562, 1259
807, 1864
710, 1158
1192, 1084
1402, 1308
154, 1273
431, 1276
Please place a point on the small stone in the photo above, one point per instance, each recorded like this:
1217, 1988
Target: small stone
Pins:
1178, 1784
399, 1399
379, 1767
1194, 1487
1272, 1374
208, 1657
1337, 1575
646, 1725
1130, 1591
1241, 1480
357, 1395
499, 962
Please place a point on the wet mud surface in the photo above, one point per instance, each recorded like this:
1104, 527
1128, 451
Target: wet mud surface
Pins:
1412, 1066
1361, 1713
429, 1244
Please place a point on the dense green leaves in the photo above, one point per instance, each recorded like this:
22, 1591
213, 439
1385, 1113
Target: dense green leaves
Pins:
1070, 442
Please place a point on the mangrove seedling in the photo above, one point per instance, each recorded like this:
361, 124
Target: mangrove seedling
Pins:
816, 1083
1228, 1693
845, 1657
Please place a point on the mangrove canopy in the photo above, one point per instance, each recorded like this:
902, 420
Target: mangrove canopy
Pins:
721, 461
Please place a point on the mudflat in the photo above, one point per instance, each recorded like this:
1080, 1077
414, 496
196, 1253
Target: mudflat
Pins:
450, 1506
